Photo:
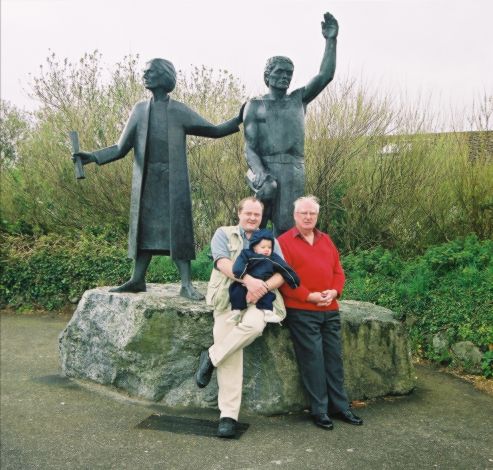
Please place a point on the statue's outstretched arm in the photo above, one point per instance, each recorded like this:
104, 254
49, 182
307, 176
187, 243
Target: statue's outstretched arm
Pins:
330, 29
117, 151
197, 125
213, 131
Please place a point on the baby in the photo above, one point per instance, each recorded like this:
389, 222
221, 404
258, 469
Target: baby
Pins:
259, 262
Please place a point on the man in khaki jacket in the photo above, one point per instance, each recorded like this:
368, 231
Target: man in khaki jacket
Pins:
226, 354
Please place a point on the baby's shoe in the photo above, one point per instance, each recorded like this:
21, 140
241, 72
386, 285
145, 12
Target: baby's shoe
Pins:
271, 317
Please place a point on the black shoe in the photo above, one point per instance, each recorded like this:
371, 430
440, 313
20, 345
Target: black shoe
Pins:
204, 372
348, 417
323, 421
226, 428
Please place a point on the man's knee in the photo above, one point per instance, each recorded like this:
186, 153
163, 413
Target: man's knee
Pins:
253, 321
255, 328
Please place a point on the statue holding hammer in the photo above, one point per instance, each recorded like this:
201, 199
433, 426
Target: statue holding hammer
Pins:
160, 206
274, 127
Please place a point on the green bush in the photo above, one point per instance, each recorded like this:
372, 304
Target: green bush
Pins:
48, 270
162, 269
385, 175
487, 364
449, 289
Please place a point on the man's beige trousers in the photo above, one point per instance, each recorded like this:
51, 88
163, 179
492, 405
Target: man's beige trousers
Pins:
227, 356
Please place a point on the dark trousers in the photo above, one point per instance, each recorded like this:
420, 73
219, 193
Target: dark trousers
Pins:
317, 343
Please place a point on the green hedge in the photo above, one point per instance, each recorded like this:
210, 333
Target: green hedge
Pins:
47, 271
448, 289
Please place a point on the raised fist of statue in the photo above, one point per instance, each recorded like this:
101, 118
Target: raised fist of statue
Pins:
330, 27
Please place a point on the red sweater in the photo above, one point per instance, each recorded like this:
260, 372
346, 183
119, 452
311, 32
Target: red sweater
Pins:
317, 265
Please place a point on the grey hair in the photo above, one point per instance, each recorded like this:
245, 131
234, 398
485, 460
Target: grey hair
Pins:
272, 62
310, 198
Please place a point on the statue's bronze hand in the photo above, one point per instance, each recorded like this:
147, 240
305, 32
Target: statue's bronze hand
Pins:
330, 27
260, 177
85, 157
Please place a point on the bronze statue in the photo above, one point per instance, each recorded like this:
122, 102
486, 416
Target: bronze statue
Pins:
274, 127
161, 206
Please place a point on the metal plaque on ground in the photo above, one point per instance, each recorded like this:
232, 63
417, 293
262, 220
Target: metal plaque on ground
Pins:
181, 425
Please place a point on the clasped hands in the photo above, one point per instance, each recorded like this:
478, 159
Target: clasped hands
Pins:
322, 299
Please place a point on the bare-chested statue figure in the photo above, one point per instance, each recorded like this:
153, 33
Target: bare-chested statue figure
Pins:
275, 133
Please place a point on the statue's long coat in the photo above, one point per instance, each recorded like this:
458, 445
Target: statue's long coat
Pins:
181, 121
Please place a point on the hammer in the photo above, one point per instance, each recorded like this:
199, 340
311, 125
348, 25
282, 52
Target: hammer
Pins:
79, 169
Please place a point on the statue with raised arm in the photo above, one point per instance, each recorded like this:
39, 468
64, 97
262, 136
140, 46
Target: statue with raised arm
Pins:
160, 206
274, 126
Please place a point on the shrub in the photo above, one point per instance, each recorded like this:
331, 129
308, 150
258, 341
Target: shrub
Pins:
384, 177
48, 270
487, 364
447, 290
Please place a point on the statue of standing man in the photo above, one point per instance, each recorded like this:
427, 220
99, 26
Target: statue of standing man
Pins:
274, 127
160, 206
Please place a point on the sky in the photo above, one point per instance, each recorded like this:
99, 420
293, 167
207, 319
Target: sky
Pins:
440, 52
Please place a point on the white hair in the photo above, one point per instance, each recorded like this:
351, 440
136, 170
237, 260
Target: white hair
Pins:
309, 198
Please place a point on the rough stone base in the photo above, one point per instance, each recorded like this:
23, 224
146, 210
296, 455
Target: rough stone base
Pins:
148, 345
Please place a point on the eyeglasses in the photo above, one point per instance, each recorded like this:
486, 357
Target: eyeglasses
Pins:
306, 213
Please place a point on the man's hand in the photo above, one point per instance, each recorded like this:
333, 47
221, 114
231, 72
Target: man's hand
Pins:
316, 298
85, 157
330, 294
330, 27
320, 299
256, 288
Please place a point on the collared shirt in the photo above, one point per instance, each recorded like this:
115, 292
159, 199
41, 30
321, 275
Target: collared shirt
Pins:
316, 234
316, 264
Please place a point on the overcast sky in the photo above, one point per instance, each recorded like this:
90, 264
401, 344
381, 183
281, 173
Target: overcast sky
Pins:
439, 50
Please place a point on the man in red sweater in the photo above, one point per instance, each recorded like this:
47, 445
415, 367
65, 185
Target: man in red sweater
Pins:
313, 314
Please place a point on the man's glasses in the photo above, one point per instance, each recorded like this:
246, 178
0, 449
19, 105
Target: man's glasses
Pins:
306, 213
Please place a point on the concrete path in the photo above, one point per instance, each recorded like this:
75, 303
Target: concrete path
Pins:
48, 422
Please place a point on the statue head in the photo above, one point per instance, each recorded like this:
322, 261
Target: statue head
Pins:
160, 73
282, 66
